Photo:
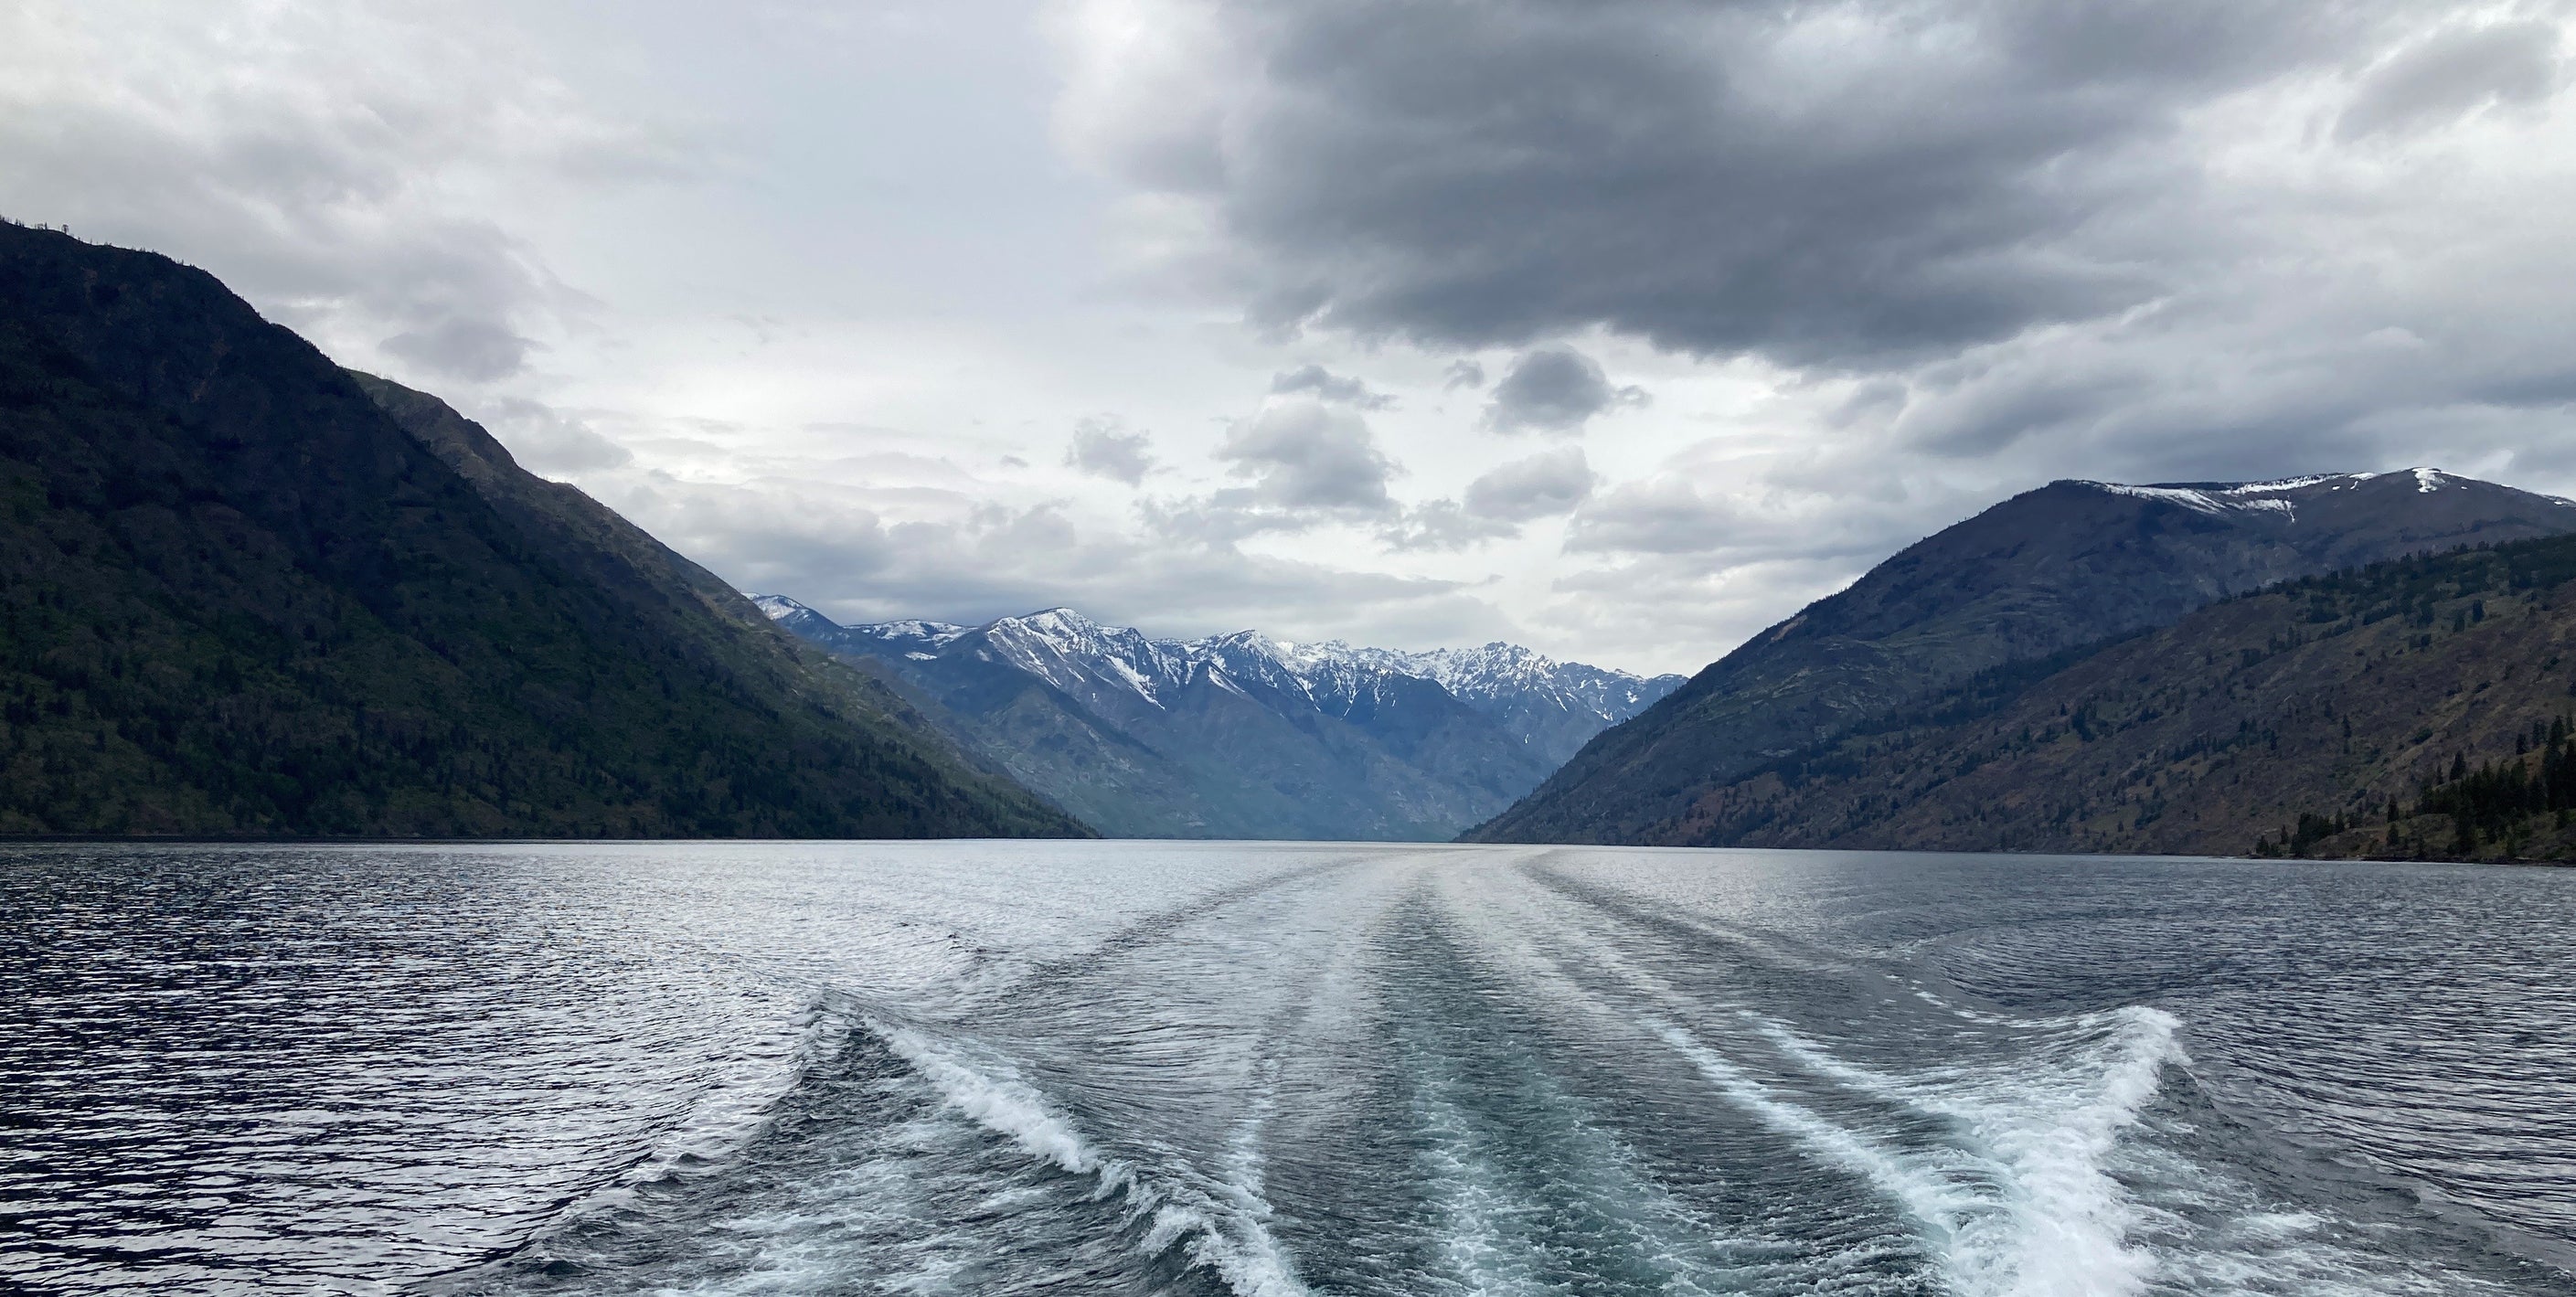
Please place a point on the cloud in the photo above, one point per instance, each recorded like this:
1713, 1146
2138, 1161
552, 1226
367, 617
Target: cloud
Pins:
1496, 504
474, 350
2453, 72
1678, 515
1821, 182
1930, 251
1443, 526
1322, 383
337, 165
1103, 448
971, 560
1556, 390
549, 442
1538, 486
1661, 515
1305, 456
1463, 373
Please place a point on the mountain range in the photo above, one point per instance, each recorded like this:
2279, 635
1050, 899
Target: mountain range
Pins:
1972, 616
1241, 736
246, 592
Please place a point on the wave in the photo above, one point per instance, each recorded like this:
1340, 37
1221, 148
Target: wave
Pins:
1227, 1238
2046, 1214
2011, 1194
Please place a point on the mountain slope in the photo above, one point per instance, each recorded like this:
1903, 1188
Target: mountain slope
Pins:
241, 598
2292, 719
1238, 735
2068, 565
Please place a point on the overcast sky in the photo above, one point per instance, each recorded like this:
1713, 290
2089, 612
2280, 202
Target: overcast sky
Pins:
1619, 328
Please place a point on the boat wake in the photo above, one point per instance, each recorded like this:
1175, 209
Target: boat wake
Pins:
1440, 1076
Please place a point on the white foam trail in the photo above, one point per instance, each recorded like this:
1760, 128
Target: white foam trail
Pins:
1233, 1244
2026, 1208
2051, 1135
1938, 1198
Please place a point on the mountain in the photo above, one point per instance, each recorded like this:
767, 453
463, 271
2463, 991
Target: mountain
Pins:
2068, 565
244, 592
1240, 736
2418, 708
1552, 707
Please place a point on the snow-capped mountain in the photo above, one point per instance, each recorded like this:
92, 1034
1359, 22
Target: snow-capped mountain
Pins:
1155, 737
1079, 655
2283, 497
1555, 706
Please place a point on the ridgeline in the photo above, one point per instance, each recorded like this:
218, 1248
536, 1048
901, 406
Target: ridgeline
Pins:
241, 597
2414, 709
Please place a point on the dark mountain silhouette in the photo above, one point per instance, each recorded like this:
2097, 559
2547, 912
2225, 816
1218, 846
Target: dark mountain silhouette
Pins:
2418, 708
238, 596
2055, 569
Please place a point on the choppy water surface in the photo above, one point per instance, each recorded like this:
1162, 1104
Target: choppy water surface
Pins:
984, 1068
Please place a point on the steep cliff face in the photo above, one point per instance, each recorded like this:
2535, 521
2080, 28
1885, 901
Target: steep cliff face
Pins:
2070, 564
243, 597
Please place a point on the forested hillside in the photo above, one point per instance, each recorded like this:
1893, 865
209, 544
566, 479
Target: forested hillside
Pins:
2047, 572
2417, 708
237, 597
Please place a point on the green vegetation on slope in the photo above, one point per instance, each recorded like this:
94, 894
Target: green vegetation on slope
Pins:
237, 598
2295, 720
2049, 571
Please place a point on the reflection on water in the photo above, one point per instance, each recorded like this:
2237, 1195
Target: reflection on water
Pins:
984, 1068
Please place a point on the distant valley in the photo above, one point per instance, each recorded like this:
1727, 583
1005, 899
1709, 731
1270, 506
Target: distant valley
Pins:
1241, 736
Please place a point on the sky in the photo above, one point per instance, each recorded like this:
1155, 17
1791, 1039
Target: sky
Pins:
1616, 328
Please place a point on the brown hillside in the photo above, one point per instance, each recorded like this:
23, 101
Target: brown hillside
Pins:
2326, 699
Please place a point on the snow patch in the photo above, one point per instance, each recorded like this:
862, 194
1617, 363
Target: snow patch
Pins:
2288, 484
2195, 501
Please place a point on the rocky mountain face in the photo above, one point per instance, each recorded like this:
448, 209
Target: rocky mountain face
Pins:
1240, 736
2413, 709
243, 592
2050, 571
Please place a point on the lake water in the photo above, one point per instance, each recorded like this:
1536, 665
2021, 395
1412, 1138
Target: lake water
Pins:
992, 1068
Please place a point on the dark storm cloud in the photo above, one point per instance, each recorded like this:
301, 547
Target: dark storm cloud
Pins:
1557, 390
2005, 240
1315, 380
1830, 183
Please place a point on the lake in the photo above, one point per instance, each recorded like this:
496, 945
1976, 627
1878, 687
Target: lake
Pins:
991, 1068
